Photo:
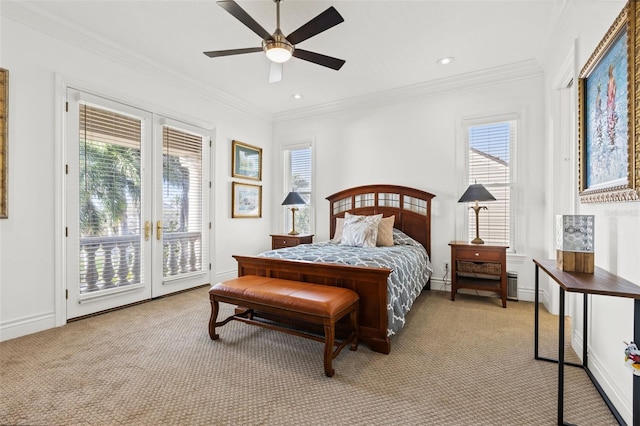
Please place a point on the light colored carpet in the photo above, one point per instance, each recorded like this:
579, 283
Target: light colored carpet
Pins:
468, 362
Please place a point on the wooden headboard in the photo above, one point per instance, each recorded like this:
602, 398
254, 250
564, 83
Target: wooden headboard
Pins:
411, 208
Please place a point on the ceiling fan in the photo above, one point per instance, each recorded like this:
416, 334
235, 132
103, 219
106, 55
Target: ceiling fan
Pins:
278, 48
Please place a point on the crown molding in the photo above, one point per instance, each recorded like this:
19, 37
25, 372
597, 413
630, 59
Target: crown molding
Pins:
488, 77
30, 15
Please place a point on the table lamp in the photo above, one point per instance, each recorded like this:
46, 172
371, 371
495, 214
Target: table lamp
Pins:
293, 199
474, 193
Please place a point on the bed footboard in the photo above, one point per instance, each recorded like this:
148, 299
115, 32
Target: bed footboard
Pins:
370, 284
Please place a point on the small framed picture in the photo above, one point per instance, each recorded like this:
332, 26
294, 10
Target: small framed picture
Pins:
246, 200
247, 161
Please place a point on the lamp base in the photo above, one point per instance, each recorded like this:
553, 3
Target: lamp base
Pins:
293, 221
477, 239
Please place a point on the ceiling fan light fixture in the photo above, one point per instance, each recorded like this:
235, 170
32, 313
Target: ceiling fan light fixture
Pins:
278, 51
280, 48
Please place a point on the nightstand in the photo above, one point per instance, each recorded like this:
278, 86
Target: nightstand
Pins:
479, 267
286, 240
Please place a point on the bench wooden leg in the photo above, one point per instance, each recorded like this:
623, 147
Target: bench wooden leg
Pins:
215, 306
353, 318
329, 338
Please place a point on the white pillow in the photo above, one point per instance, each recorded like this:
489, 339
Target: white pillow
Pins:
360, 231
337, 236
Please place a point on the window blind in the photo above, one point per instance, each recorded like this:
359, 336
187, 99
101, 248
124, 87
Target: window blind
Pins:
182, 201
109, 198
298, 178
106, 126
489, 163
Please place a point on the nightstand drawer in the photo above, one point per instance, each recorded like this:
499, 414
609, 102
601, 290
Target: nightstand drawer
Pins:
283, 241
478, 255
484, 268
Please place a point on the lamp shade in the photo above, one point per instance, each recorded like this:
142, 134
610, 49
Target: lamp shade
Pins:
293, 198
476, 192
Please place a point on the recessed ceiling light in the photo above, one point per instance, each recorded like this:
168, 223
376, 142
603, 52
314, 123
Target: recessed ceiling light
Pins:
445, 61
297, 96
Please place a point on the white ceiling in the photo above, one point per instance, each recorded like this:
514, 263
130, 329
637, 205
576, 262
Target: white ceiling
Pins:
387, 45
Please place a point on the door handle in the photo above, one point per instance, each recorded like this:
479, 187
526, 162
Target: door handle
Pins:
159, 230
147, 230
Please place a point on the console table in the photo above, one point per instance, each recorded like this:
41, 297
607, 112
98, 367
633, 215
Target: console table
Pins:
600, 282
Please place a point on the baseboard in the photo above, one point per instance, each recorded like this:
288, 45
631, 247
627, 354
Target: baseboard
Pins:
440, 285
26, 325
615, 393
35, 323
524, 294
623, 401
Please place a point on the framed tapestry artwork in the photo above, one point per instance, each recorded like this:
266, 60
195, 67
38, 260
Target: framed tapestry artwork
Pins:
4, 142
246, 200
247, 161
608, 142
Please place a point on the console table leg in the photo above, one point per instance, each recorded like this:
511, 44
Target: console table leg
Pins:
537, 313
561, 359
585, 330
636, 379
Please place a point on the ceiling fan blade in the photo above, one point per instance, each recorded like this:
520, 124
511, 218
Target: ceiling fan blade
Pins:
239, 13
327, 19
216, 53
275, 72
317, 58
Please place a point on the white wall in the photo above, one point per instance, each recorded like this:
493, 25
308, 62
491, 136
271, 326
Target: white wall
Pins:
39, 66
410, 142
617, 226
415, 143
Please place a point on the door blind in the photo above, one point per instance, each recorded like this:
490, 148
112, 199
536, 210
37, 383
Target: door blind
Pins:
181, 201
109, 196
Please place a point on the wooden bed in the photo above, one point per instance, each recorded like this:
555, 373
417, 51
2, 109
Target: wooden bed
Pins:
412, 211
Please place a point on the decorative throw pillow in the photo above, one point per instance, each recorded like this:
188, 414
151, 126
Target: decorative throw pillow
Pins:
385, 232
337, 236
360, 231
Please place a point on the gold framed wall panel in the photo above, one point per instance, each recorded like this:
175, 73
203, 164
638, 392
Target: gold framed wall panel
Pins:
4, 143
601, 148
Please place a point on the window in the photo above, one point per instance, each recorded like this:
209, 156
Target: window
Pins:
298, 177
489, 162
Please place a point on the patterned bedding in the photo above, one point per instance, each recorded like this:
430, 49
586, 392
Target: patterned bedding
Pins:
407, 258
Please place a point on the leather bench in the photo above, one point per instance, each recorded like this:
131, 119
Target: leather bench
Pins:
293, 300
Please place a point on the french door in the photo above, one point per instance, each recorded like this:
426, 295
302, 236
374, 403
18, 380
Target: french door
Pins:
137, 205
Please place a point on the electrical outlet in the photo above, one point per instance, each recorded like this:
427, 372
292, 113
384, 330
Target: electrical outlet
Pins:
446, 266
